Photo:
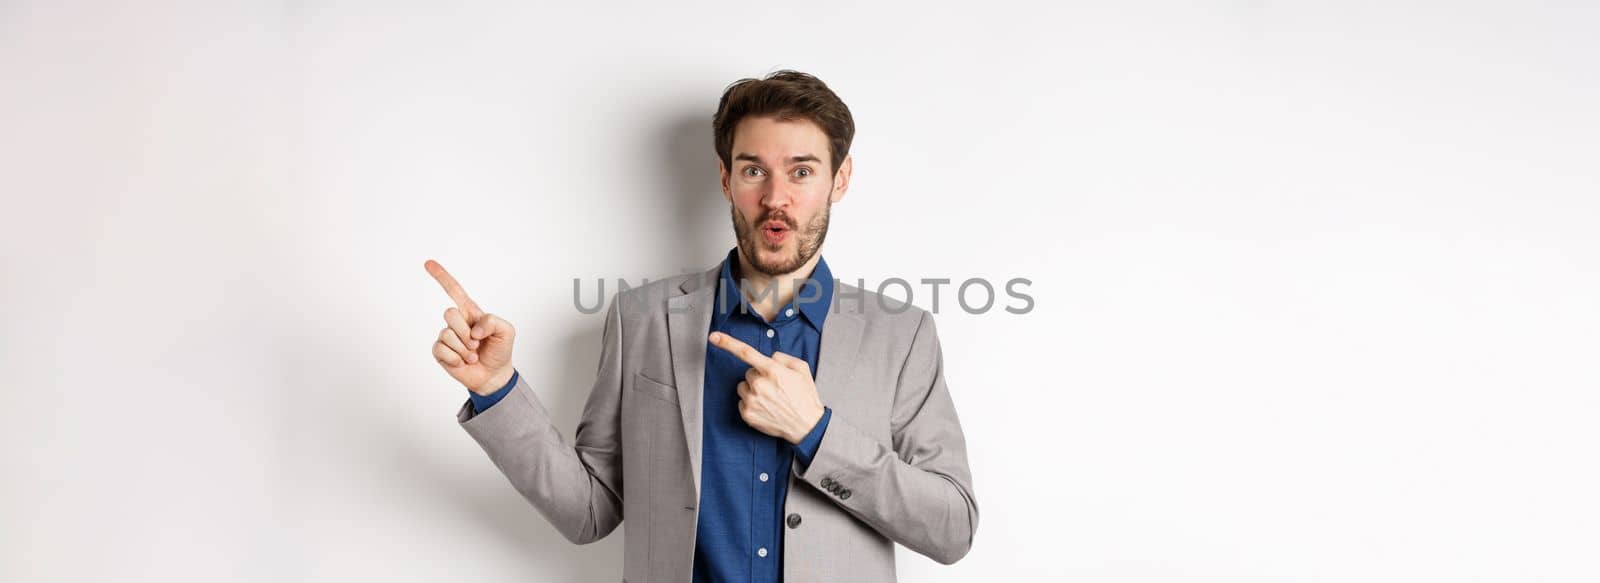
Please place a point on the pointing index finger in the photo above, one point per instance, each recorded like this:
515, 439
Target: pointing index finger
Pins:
453, 288
743, 352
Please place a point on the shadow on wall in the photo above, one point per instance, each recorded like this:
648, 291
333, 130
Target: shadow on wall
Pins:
701, 232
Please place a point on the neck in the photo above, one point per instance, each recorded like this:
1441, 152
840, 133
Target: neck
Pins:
768, 293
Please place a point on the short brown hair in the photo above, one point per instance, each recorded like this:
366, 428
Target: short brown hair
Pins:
787, 95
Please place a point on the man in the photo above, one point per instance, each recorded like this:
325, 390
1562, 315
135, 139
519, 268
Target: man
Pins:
753, 422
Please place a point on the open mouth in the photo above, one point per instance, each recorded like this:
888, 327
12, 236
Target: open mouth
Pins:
775, 232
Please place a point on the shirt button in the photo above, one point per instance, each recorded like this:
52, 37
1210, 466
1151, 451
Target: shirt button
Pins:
763, 476
761, 552
771, 333
789, 312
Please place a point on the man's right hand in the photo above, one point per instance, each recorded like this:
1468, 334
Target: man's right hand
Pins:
474, 346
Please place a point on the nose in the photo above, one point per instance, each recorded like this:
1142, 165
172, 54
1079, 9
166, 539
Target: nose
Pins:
777, 194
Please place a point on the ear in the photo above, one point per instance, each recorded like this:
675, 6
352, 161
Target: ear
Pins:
841, 179
727, 193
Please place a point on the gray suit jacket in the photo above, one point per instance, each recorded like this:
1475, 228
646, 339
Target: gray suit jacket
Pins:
892, 465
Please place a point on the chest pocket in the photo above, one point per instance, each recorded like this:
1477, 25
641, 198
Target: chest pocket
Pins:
654, 389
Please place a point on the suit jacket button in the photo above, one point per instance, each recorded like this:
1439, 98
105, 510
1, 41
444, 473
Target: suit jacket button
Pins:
845, 495
794, 521
827, 482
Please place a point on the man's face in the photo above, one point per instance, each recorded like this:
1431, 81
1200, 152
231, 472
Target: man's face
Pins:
781, 190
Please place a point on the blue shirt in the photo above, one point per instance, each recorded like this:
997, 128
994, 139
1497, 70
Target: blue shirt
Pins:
745, 473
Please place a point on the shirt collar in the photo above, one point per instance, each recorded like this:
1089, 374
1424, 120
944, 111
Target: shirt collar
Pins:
813, 298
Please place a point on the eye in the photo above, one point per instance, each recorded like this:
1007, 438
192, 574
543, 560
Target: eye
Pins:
802, 172
752, 171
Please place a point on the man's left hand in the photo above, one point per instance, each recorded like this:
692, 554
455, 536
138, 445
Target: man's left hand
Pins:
778, 396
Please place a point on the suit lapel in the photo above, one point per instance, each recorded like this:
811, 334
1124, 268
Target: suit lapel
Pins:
836, 358
688, 323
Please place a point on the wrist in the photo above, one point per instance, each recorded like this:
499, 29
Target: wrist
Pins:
495, 382
810, 422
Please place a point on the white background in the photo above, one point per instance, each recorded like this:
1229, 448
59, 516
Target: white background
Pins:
1315, 282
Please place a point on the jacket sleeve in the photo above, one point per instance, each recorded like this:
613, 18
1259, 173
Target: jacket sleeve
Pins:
481, 403
919, 491
578, 488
